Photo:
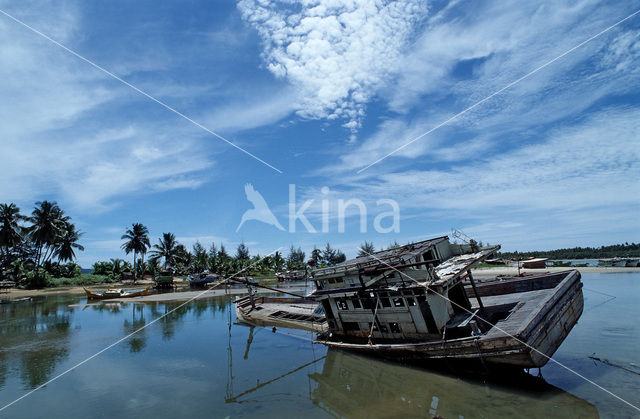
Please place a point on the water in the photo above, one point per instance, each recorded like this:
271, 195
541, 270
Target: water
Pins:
188, 364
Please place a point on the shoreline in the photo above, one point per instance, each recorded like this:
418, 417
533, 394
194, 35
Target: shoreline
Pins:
187, 293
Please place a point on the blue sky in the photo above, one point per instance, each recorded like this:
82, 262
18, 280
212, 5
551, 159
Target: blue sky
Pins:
319, 90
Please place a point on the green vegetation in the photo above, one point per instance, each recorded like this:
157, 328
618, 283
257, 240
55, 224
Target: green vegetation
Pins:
34, 248
602, 252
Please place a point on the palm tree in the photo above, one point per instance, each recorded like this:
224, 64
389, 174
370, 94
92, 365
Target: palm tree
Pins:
67, 241
48, 222
137, 242
166, 248
10, 230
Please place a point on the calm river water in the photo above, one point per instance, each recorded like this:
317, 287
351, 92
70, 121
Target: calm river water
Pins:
191, 364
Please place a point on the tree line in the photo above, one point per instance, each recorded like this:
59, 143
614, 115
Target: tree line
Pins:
168, 253
603, 252
33, 248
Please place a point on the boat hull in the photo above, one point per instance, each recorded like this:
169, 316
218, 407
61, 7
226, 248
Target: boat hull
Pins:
97, 296
531, 346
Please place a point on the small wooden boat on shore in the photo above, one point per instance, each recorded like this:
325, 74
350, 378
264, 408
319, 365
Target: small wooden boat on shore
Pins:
202, 279
116, 293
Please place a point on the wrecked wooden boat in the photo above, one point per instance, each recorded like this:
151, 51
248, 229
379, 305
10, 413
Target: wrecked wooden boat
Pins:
291, 312
115, 293
410, 302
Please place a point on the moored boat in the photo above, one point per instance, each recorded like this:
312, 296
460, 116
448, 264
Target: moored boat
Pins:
115, 293
411, 303
202, 279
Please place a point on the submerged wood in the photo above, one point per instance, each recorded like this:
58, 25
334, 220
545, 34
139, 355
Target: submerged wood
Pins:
295, 313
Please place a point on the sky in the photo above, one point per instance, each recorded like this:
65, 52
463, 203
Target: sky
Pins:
187, 103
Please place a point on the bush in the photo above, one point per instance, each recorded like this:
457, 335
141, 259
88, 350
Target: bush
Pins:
69, 270
84, 279
37, 279
103, 268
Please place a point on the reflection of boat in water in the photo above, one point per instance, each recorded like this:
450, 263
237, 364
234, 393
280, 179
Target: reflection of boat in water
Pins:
352, 385
410, 302
291, 312
116, 293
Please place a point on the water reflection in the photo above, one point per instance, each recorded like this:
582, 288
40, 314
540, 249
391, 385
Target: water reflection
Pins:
357, 386
34, 335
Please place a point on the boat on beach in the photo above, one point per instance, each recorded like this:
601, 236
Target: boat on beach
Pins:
411, 303
202, 279
115, 293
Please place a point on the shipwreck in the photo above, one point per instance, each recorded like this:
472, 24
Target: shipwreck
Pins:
420, 302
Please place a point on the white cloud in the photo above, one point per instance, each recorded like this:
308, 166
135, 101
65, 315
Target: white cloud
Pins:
581, 181
59, 136
336, 53
495, 45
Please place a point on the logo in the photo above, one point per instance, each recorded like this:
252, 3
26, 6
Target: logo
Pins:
260, 211
383, 222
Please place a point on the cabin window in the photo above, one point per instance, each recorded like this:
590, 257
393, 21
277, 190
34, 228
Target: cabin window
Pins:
398, 302
395, 327
368, 303
318, 284
385, 302
342, 304
384, 328
411, 302
332, 280
338, 280
350, 326
356, 303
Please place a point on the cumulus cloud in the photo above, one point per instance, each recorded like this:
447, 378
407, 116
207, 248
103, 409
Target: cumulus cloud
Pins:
336, 53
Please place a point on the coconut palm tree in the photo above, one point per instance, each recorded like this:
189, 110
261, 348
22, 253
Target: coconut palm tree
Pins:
10, 230
166, 248
47, 224
137, 242
66, 242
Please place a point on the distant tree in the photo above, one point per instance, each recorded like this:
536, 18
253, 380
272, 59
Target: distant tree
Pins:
47, 222
200, 258
332, 256
137, 241
166, 249
366, 249
66, 243
242, 252
316, 256
278, 262
394, 245
10, 230
295, 259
